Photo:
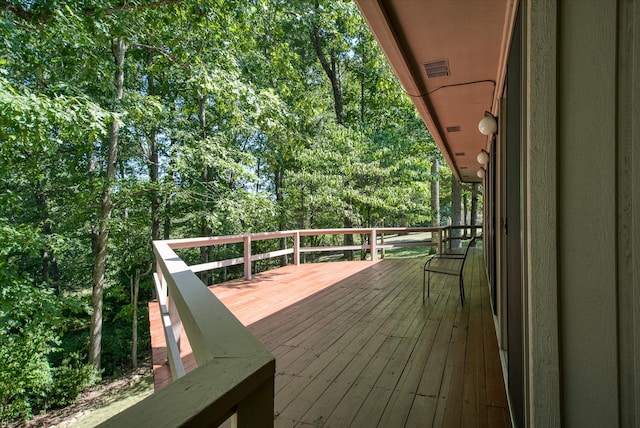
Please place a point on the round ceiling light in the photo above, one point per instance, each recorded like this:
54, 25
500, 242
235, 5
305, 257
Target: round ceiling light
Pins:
483, 158
488, 125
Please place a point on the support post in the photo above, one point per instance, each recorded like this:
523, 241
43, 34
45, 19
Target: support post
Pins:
256, 410
176, 322
373, 241
247, 257
296, 248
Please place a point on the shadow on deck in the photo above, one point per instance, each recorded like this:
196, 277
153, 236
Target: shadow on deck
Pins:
354, 346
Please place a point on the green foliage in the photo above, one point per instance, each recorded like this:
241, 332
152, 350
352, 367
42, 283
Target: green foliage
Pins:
70, 378
31, 325
28, 321
227, 126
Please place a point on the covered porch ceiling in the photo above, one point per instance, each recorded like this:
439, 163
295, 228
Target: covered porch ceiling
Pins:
450, 57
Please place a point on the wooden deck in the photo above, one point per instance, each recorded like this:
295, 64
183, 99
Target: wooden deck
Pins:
354, 345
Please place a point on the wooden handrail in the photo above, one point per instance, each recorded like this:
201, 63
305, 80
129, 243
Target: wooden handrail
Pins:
235, 372
444, 233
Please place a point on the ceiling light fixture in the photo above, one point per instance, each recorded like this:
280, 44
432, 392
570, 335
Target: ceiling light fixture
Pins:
481, 173
488, 124
483, 157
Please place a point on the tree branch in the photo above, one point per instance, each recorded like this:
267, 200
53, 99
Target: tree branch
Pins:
134, 6
125, 6
160, 50
21, 13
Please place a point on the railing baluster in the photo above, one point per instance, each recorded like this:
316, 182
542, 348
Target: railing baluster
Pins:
247, 257
296, 248
176, 322
373, 241
213, 332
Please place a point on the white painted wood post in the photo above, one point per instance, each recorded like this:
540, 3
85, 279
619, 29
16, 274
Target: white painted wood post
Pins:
373, 242
176, 322
160, 286
247, 257
296, 248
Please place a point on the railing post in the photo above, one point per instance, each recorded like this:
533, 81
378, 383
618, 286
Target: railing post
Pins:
373, 247
440, 241
176, 322
161, 284
247, 257
382, 243
256, 410
296, 248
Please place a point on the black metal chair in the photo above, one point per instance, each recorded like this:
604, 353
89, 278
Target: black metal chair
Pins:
446, 264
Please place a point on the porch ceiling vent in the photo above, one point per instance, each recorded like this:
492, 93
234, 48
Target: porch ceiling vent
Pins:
464, 167
460, 154
453, 128
437, 68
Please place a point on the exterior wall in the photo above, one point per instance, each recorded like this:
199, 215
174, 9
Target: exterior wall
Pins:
500, 245
582, 213
587, 212
540, 258
628, 216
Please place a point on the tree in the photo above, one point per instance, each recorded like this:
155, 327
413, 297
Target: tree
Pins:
456, 210
126, 122
32, 129
435, 193
100, 232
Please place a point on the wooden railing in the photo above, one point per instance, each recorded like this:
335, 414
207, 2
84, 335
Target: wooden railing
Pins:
235, 373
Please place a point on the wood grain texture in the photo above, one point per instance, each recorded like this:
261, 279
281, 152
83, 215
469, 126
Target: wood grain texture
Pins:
360, 349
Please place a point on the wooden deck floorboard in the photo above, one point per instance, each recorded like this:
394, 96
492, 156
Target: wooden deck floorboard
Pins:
354, 345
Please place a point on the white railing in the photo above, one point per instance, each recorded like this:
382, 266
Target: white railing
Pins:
439, 236
235, 373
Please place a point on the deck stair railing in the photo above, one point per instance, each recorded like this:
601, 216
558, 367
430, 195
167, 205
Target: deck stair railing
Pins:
234, 377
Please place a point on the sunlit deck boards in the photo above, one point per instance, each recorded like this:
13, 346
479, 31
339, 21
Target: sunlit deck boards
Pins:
366, 352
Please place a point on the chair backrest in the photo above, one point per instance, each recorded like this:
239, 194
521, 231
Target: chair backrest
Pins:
472, 243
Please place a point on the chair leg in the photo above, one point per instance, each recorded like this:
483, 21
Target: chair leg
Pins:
461, 290
429, 285
424, 280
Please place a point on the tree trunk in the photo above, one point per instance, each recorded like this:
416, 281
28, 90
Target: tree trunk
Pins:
348, 239
302, 222
47, 256
135, 289
205, 252
166, 225
435, 200
465, 207
435, 194
279, 176
153, 178
153, 161
100, 232
362, 83
456, 212
474, 207
330, 68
